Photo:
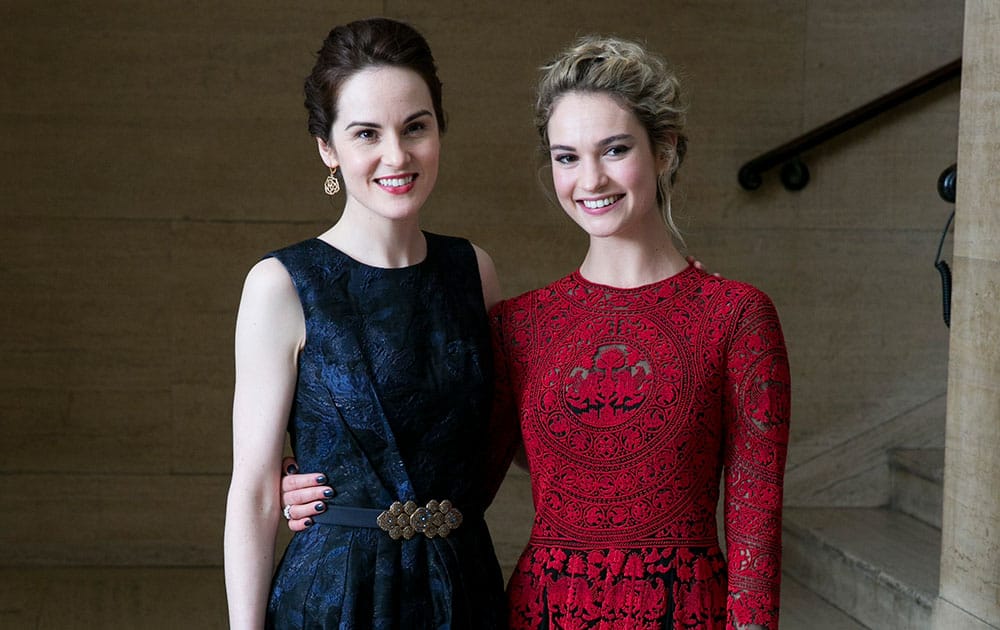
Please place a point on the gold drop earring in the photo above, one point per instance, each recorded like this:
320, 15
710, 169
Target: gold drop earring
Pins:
332, 185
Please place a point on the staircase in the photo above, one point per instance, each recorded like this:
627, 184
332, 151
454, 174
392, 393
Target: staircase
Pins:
877, 565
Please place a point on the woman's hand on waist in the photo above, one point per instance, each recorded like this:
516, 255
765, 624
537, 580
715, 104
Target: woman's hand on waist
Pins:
302, 495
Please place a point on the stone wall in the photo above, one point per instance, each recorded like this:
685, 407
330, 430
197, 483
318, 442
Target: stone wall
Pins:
153, 151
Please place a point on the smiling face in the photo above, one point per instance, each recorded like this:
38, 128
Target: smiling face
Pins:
385, 141
603, 168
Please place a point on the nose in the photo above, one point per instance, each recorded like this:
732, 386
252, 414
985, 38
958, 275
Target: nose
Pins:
592, 177
394, 151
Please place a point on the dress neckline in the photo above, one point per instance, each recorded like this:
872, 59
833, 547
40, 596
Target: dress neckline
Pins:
414, 266
687, 274
605, 298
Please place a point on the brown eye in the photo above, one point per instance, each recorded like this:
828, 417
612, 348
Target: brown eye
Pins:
415, 128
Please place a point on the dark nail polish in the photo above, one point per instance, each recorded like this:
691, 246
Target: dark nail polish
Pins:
320, 507
321, 479
292, 469
328, 493
309, 522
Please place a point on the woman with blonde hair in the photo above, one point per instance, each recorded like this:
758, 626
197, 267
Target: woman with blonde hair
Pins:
638, 379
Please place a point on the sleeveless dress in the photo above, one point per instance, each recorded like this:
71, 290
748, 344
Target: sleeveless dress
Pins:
392, 404
634, 404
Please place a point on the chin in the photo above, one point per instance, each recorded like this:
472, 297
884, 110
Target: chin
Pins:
403, 210
597, 227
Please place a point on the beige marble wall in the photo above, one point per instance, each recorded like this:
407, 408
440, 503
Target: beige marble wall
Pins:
152, 151
970, 549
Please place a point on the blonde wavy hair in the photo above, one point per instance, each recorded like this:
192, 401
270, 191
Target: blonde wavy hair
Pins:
640, 80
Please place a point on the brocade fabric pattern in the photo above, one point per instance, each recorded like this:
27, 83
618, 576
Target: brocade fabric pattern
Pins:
392, 403
633, 403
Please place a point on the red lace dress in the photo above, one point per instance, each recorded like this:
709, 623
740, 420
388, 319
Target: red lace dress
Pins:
632, 403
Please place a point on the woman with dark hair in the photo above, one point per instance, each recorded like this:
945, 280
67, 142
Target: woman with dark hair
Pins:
370, 345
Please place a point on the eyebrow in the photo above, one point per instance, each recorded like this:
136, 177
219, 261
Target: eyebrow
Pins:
409, 119
603, 143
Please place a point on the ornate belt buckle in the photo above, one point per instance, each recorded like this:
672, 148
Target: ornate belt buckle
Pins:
406, 520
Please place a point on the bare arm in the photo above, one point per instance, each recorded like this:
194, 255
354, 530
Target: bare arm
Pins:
488, 278
270, 330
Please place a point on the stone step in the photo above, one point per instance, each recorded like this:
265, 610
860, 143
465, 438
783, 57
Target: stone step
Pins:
802, 609
877, 565
917, 483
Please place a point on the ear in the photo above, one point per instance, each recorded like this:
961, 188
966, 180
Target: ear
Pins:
327, 153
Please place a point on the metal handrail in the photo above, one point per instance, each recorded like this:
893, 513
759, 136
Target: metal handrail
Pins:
794, 173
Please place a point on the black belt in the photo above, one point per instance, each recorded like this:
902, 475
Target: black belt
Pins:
401, 520
348, 516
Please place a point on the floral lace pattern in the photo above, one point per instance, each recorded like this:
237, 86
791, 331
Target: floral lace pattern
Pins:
632, 404
614, 588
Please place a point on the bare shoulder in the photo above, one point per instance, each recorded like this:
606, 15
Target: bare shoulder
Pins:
268, 286
483, 258
488, 277
270, 303
269, 277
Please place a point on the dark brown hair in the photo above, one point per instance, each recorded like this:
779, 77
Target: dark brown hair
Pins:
352, 47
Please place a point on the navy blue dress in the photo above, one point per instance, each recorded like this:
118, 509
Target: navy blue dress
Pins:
392, 403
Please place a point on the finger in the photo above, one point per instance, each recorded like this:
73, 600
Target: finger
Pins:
297, 482
289, 466
299, 523
307, 495
306, 511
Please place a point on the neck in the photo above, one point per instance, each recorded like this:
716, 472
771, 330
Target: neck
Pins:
632, 261
377, 241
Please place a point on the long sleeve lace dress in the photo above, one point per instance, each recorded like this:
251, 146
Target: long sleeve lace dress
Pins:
633, 403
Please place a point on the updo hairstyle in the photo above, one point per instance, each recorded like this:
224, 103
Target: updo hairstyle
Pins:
353, 47
639, 80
